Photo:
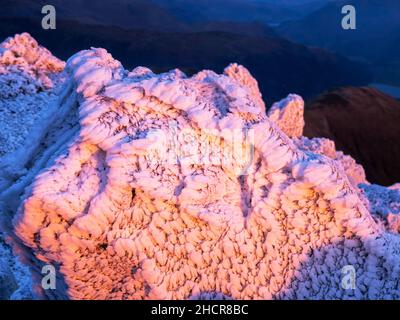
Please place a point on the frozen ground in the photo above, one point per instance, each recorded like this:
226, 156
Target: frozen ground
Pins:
15, 279
19, 117
28, 80
29, 77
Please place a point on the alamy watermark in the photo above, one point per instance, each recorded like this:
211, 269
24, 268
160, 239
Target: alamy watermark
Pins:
232, 149
49, 20
349, 21
49, 277
348, 277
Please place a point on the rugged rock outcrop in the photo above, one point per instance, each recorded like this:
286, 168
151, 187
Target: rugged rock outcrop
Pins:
288, 114
354, 171
176, 187
29, 76
30, 68
384, 204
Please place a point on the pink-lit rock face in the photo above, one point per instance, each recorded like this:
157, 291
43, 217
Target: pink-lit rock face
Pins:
123, 220
243, 76
26, 67
326, 147
288, 114
395, 187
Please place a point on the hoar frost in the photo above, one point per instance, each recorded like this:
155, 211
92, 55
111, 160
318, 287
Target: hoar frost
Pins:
176, 187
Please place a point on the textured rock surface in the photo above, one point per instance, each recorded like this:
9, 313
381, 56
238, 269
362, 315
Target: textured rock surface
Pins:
140, 204
15, 281
243, 76
384, 204
8, 284
396, 186
288, 114
26, 67
136, 185
327, 147
29, 76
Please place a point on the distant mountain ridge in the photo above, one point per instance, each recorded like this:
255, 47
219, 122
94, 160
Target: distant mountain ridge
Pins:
266, 11
376, 39
280, 66
120, 13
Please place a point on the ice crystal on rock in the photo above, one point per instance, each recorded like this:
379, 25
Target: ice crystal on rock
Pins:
27, 73
384, 204
29, 77
288, 114
141, 204
26, 67
323, 146
7, 278
395, 187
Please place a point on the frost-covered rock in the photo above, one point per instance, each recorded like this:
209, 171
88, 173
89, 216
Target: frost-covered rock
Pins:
243, 76
29, 78
15, 280
323, 146
384, 204
288, 114
395, 186
174, 187
26, 67
8, 284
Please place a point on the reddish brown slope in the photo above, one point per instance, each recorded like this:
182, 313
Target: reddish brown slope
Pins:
364, 123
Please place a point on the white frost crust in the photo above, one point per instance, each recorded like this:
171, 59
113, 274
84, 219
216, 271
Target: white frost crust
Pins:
396, 186
26, 67
243, 76
384, 204
15, 280
326, 147
29, 80
288, 114
121, 226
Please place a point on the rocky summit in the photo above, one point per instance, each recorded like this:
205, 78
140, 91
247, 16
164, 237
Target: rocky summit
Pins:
137, 185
